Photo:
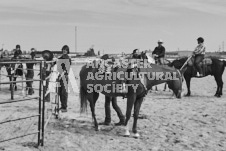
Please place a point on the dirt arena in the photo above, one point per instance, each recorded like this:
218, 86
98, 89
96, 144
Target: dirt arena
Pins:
195, 123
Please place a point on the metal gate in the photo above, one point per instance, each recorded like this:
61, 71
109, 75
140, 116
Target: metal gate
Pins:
41, 103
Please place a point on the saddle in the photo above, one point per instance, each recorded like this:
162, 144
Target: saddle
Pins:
207, 61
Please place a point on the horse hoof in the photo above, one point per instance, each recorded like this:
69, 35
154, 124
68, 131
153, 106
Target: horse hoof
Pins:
127, 133
218, 96
97, 128
136, 135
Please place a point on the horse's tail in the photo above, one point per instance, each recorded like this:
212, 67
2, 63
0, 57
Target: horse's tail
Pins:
83, 100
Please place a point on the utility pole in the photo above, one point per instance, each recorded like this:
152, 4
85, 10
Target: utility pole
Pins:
75, 38
223, 46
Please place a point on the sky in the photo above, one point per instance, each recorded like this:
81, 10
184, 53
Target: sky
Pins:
112, 26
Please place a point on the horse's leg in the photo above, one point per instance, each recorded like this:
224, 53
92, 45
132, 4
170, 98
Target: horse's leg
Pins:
137, 106
156, 88
219, 81
14, 79
130, 102
188, 80
91, 98
95, 97
216, 79
10, 77
165, 87
220, 86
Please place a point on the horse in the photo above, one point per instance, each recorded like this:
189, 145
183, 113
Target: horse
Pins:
211, 66
90, 88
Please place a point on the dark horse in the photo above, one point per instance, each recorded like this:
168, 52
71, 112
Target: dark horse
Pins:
212, 66
90, 87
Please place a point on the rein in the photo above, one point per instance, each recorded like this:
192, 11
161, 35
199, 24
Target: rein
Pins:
185, 62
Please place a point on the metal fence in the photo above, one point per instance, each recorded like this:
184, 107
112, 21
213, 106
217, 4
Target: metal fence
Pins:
41, 103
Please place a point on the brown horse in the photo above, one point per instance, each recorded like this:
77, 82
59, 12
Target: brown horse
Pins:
92, 83
210, 66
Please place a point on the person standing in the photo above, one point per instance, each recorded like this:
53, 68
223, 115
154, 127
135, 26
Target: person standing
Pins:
159, 53
63, 67
199, 54
47, 56
30, 73
16, 69
107, 121
17, 52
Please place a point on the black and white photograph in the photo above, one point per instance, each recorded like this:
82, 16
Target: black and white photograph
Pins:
112, 75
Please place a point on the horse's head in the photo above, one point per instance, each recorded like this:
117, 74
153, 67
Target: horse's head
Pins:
178, 63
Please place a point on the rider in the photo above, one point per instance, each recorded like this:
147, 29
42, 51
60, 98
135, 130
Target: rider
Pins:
199, 54
135, 54
159, 53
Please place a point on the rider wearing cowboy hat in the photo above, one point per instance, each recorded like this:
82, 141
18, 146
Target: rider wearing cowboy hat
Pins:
199, 54
159, 53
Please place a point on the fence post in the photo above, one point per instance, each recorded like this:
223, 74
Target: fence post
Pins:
11, 86
40, 103
43, 100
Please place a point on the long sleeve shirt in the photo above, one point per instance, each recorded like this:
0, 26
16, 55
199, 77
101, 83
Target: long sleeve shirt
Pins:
17, 53
160, 51
200, 49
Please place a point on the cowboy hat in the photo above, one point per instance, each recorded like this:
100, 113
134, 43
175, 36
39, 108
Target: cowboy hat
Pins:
160, 41
47, 55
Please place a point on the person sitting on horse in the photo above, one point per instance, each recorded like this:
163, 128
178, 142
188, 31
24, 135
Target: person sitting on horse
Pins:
135, 54
199, 54
159, 53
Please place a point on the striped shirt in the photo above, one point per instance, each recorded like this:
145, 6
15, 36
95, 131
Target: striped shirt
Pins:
200, 49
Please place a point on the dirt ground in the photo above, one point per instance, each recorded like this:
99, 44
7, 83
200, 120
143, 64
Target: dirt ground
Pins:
192, 123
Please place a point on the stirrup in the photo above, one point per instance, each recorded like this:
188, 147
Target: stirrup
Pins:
199, 75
